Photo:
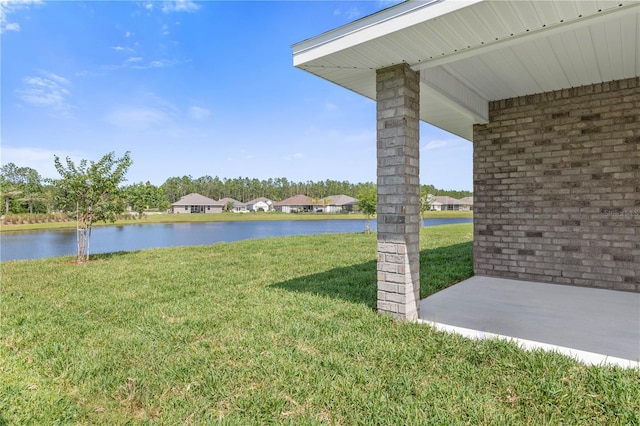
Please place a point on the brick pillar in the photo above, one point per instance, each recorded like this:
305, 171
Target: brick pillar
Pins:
398, 133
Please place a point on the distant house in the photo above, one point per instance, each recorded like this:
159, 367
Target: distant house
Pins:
259, 204
466, 203
196, 203
445, 203
337, 204
237, 206
295, 204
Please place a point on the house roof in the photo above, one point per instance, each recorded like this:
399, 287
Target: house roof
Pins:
226, 200
196, 200
446, 200
466, 200
296, 200
470, 52
260, 199
338, 200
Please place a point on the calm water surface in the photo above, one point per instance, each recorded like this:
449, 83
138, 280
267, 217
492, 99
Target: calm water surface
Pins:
106, 239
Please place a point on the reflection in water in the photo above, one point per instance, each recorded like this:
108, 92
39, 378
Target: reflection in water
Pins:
105, 239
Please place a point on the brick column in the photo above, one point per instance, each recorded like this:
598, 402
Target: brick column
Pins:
398, 134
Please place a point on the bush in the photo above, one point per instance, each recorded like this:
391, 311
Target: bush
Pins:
18, 219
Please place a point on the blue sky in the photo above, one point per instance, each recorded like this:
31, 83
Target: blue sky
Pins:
192, 88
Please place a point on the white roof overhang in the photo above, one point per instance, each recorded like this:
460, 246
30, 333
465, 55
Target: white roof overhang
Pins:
475, 51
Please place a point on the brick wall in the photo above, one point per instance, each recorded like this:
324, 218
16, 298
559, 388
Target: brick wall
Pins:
557, 187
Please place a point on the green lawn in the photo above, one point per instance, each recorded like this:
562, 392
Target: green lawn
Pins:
282, 331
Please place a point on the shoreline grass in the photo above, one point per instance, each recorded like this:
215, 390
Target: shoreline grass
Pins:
221, 217
281, 330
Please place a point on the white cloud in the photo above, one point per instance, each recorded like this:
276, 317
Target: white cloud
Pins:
7, 7
350, 14
20, 156
179, 6
148, 5
162, 63
431, 145
138, 118
56, 78
198, 113
328, 106
294, 156
39, 159
46, 90
150, 113
128, 34
138, 63
12, 26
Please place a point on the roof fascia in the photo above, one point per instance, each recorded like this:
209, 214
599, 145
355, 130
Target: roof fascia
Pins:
373, 26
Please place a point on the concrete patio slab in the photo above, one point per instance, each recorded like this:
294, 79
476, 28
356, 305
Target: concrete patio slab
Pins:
594, 325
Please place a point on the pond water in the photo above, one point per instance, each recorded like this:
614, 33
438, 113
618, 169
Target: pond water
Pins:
105, 239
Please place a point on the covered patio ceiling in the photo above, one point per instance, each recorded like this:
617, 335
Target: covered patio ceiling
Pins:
473, 52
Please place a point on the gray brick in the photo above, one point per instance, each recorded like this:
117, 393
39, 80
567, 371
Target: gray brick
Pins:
558, 173
398, 188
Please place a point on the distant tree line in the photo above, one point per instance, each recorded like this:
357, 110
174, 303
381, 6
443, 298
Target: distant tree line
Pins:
430, 189
244, 189
23, 190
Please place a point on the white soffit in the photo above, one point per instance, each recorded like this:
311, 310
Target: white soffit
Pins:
472, 52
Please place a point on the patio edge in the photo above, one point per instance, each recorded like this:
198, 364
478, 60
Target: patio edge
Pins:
588, 358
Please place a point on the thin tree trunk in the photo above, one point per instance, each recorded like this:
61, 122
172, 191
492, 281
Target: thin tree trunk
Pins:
82, 241
81, 231
88, 242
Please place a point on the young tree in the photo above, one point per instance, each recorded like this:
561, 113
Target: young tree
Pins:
90, 193
368, 203
425, 201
